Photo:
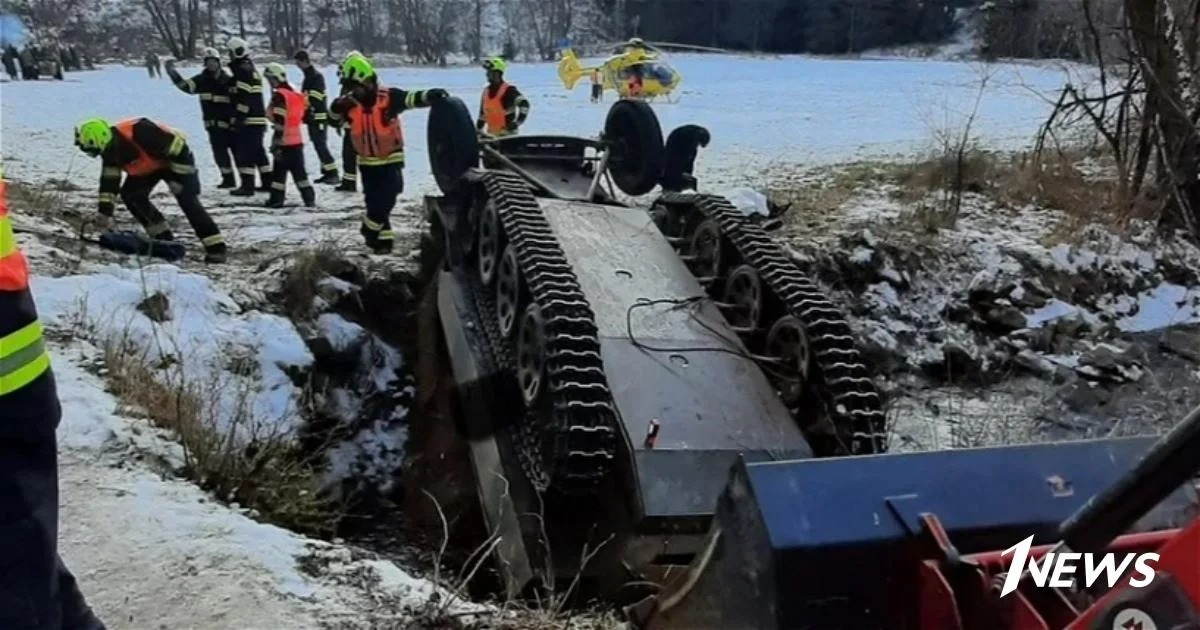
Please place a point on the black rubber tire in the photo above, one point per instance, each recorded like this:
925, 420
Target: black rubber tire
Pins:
452, 142
638, 154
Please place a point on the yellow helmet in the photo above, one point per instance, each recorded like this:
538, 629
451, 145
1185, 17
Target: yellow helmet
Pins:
93, 135
495, 63
357, 69
276, 71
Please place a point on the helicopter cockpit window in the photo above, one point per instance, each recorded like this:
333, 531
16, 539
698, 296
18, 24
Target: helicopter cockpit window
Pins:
648, 70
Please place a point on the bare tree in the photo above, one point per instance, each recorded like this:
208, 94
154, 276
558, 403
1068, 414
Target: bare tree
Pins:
177, 23
428, 27
549, 21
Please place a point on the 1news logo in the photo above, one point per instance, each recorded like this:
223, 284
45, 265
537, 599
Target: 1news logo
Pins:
1057, 570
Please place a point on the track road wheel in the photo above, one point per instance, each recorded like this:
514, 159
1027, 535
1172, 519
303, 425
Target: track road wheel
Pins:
638, 156
744, 294
788, 342
508, 292
531, 348
452, 141
704, 251
488, 242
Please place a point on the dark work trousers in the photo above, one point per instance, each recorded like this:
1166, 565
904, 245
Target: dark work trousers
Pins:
135, 192
381, 186
37, 591
320, 141
251, 154
349, 159
291, 160
221, 141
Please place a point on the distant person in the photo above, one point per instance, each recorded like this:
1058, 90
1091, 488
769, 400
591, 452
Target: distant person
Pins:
212, 86
153, 65
10, 57
635, 83
597, 87
289, 112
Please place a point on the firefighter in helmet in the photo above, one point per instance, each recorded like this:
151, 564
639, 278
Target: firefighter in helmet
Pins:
502, 107
249, 119
289, 113
212, 86
372, 112
148, 153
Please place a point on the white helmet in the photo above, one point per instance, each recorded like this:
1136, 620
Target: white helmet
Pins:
210, 53
275, 72
237, 48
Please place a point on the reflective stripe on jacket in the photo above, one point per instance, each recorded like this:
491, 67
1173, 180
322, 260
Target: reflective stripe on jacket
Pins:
494, 114
377, 141
23, 356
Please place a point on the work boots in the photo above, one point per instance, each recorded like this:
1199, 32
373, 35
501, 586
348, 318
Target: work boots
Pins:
265, 186
246, 189
228, 181
309, 196
347, 186
216, 254
275, 200
330, 178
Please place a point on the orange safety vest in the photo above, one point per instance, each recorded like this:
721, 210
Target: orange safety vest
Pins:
145, 163
375, 140
14, 269
296, 104
494, 114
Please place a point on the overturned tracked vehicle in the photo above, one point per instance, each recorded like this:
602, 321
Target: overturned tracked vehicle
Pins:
613, 361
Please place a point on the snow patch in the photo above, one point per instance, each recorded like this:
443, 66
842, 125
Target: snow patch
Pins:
242, 359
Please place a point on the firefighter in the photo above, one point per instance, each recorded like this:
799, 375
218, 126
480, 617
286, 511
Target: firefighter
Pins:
313, 88
349, 157
249, 119
212, 86
502, 108
37, 588
373, 115
148, 153
289, 112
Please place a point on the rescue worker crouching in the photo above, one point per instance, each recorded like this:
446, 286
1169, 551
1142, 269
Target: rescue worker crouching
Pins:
373, 113
249, 119
148, 153
212, 86
37, 588
289, 112
313, 88
502, 107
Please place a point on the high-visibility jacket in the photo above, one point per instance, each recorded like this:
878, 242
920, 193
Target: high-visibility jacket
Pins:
313, 87
141, 146
246, 94
492, 106
289, 109
376, 139
145, 163
23, 356
501, 106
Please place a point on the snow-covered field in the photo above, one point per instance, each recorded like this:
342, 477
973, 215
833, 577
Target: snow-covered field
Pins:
153, 550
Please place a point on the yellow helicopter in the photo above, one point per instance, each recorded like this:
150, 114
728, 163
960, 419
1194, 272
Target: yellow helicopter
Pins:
639, 71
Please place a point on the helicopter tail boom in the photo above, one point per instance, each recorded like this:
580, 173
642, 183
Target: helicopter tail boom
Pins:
570, 71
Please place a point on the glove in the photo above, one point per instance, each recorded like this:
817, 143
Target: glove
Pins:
510, 127
436, 95
169, 64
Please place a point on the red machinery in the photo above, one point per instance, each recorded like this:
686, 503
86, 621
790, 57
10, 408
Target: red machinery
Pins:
911, 541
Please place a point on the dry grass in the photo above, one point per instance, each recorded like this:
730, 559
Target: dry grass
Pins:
249, 462
1079, 185
301, 280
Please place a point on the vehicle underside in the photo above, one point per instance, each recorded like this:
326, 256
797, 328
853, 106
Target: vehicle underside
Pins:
657, 399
